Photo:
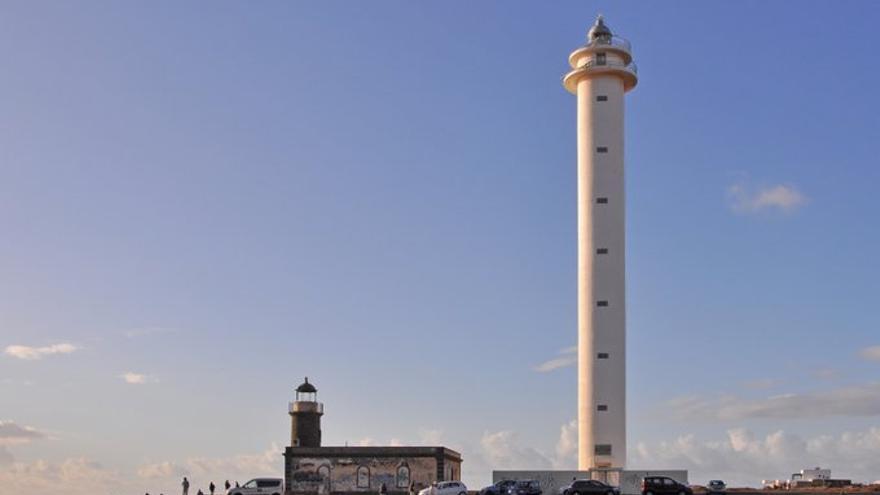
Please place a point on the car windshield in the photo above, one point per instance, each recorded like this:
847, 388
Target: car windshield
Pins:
250, 484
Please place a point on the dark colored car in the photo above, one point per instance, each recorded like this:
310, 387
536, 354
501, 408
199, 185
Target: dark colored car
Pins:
589, 487
500, 488
664, 485
526, 487
716, 487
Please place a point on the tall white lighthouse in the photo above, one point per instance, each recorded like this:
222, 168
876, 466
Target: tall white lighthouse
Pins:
602, 72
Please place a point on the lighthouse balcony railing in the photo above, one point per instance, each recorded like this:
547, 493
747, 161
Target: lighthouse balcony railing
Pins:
614, 41
631, 67
314, 407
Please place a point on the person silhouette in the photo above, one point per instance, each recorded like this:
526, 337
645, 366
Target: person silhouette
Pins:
228, 486
211, 488
185, 485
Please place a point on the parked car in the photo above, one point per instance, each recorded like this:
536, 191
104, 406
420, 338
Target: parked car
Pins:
259, 486
716, 486
500, 488
526, 487
664, 485
589, 487
446, 488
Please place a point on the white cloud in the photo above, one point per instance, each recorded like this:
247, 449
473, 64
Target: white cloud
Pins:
160, 470
78, 476
32, 353
744, 459
137, 378
871, 353
269, 462
503, 451
431, 437
853, 401
164, 476
567, 446
744, 198
565, 358
12, 433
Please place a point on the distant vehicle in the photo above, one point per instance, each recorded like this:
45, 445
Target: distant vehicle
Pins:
446, 488
259, 486
500, 488
716, 486
589, 487
664, 485
526, 487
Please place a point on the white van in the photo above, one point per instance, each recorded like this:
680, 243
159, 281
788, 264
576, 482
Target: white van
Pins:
259, 486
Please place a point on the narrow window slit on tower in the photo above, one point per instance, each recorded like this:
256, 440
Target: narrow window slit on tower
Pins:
602, 407
602, 251
602, 355
601, 98
602, 149
602, 449
602, 201
601, 304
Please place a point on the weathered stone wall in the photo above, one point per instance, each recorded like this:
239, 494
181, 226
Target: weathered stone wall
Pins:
326, 475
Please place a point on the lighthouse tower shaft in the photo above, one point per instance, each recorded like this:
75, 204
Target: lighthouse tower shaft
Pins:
602, 72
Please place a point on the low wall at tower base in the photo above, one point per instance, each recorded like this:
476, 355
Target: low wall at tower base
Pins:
629, 481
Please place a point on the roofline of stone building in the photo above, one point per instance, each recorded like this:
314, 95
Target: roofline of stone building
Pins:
373, 452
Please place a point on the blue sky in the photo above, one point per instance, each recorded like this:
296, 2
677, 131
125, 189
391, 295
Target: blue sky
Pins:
223, 198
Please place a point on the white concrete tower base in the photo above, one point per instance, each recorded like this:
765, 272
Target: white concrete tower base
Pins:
602, 72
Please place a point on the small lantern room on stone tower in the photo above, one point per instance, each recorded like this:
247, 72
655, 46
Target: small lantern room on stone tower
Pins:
305, 417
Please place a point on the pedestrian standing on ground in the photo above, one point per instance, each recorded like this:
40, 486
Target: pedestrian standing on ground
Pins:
228, 485
383, 490
200, 492
412, 488
211, 488
185, 486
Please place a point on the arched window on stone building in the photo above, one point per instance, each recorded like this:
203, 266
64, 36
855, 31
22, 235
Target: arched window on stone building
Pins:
403, 476
363, 477
324, 473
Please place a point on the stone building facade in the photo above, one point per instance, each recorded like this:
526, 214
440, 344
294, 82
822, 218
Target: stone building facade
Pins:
310, 469
356, 470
